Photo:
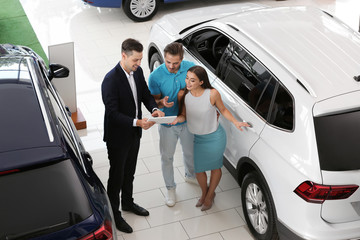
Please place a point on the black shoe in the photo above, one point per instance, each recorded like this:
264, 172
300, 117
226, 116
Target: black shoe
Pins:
122, 225
136, 209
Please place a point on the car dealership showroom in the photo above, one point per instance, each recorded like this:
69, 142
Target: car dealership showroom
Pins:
284, 80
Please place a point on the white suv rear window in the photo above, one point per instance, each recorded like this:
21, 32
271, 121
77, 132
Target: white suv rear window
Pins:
338, 141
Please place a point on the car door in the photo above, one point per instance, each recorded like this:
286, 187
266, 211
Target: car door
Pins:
247, 89
241, 81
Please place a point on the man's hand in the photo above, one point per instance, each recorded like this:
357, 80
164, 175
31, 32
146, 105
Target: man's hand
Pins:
144, 124
158, 113
164, 102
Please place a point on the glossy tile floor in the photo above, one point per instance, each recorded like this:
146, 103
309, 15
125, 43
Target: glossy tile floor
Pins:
97, 35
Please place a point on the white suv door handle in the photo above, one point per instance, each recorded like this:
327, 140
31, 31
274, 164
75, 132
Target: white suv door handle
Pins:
248, 123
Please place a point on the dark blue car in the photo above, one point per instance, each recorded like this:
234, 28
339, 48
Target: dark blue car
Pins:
137, 10
48, 189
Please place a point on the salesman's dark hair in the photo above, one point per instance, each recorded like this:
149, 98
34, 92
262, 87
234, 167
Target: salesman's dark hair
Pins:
130, 45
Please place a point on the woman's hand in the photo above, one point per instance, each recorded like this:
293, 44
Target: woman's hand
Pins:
178, 119
239, 125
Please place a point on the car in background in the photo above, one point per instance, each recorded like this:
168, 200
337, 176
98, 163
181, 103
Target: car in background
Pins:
292, 73
48, 187
137, 10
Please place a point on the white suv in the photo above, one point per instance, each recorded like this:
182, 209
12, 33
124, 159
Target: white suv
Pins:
293, 74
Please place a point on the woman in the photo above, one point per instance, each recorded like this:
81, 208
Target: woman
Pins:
199, 103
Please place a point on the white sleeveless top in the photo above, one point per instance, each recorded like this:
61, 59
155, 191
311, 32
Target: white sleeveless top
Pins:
201, 116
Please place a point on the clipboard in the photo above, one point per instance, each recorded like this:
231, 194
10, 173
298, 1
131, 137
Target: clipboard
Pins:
168, 119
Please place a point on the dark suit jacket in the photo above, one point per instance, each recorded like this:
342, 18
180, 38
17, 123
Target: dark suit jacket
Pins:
120, 106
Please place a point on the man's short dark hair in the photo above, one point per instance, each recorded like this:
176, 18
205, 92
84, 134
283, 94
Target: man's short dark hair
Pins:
130, 45
175, 49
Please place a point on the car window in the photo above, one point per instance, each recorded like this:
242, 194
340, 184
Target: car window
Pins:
244, 74
41, 200
63, 123
261, 95
207, 45
57, 110
254, 84
282, 114
338, 138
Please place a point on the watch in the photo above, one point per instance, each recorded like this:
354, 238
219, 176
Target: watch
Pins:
154, 109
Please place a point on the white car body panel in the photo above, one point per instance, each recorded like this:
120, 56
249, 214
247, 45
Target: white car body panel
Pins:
178, 21
238, 143
337, 104
344, 210
300, 40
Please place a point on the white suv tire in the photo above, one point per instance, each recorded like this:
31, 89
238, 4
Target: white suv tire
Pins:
258, 207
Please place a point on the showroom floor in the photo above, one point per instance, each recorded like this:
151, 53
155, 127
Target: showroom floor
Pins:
97, 35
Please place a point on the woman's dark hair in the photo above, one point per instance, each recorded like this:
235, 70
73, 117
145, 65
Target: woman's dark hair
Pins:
201, 73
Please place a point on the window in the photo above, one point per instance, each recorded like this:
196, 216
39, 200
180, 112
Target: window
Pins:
244, 75
261, 95
256, 86
338, 140
208, 45
56, 108
283, 111
47, 198
63, 123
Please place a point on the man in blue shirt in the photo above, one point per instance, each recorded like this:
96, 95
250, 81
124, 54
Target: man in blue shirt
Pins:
164, 84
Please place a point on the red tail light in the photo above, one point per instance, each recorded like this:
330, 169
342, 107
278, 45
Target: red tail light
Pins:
103, 233
9, 171
316, 193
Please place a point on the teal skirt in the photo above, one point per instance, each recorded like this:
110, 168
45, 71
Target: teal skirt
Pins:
209, 150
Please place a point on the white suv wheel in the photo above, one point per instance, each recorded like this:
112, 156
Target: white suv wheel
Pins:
258, 207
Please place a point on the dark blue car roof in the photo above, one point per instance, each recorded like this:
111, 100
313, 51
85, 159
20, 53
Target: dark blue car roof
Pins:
24, 137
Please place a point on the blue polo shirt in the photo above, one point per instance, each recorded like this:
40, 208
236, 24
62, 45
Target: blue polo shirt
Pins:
161, 81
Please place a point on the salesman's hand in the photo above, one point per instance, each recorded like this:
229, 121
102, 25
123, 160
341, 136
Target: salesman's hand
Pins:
158, 113
144, 124
164, 102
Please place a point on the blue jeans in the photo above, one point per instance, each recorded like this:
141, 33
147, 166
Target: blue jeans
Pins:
169, 136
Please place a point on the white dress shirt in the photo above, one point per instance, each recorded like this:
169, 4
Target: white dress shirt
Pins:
131, 80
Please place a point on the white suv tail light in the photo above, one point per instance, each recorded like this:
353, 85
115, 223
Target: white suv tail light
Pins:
317, 193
